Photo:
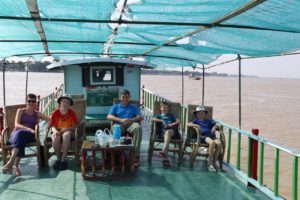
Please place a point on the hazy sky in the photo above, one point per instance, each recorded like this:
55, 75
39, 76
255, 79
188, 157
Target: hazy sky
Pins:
282, 67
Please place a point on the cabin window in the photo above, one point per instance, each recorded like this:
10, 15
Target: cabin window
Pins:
102, 75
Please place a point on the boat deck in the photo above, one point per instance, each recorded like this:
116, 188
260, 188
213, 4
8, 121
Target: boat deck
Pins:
151, 181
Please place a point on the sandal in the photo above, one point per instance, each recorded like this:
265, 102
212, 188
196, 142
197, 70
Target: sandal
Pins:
166, 163
161, 154
6, 169
136, 162
16, 171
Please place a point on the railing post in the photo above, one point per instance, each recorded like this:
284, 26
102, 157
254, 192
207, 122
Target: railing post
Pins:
38, 103
143, 94
229, 145
238, 159
254, 147
295, 178
276, 172
1, 125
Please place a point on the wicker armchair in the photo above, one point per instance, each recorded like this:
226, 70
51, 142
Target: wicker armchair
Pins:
155, 143
192, 146
9, 121
79, 107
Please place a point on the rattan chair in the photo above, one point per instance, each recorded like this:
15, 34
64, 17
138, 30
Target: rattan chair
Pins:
155, 142
192, 146
9, 121
79, 107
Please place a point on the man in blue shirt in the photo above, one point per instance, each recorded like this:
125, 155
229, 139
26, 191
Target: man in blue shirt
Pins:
207, 128
128, 117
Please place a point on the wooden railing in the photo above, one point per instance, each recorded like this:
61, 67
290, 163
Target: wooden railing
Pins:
149, 97
47, 104
274, 193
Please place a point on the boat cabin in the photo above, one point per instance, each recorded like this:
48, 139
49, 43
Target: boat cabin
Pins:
99, 81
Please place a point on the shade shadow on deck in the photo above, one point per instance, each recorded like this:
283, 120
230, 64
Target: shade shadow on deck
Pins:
151, 181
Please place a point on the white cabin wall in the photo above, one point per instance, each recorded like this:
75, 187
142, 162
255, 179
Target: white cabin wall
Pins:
73, 85
73, 79
132, 81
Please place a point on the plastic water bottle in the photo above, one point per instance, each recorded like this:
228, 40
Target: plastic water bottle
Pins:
116, 132
103, 139
97, 137
109, 137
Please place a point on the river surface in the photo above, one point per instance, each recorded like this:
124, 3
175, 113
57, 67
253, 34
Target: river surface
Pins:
271, 105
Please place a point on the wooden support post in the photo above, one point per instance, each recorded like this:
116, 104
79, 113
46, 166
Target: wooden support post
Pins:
1, 125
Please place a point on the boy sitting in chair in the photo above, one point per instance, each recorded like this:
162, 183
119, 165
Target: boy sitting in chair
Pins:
167, 128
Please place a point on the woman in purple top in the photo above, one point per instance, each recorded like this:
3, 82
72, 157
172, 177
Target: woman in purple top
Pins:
207, 129
23, 133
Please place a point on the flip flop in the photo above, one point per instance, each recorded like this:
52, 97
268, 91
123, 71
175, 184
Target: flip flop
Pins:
136, 162
6, 169
16, 171
161, 154
166, 163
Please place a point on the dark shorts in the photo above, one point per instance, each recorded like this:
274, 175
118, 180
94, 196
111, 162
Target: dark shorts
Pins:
160, 133
203, 137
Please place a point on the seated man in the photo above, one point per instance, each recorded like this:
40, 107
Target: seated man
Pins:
63, 124
207, 130
127, 116
167, 127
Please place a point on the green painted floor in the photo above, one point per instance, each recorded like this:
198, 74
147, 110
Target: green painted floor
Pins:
151, 181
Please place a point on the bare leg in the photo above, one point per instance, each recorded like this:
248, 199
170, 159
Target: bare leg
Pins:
57, 145
218, 149
16, 170
65, 144
211, 150
11, 160
167, 139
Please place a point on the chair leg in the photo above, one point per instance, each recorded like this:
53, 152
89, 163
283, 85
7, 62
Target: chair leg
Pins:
150, 150
4, 156
38, 155
194, 154
46, 155
180, 153
77, 154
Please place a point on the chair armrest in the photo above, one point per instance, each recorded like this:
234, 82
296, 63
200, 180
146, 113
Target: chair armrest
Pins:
222, 137
4, 136
196, 128
37, 134
47, 133
153, 130
80, 126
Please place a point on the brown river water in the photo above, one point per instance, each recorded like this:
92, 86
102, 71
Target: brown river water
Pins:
271, 105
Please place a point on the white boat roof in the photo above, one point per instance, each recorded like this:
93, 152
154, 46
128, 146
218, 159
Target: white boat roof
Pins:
97, 60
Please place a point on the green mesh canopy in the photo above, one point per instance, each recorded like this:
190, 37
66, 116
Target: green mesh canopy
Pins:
161, 32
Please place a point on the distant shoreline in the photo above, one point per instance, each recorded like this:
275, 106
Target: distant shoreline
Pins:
41, 67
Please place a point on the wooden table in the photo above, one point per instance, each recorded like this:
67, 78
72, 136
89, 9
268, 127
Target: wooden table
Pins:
107, 156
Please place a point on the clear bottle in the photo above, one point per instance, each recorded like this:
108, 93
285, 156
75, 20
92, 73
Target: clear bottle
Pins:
97, 137
103, 140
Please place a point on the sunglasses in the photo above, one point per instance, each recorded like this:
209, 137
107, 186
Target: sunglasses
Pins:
31, 101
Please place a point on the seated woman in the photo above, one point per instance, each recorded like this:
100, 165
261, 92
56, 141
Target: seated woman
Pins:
167, 127
23, 133
207, 130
